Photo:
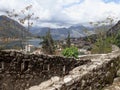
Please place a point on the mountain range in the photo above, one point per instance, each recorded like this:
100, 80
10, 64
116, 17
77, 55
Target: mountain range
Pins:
10, 28
76, 31
13, 29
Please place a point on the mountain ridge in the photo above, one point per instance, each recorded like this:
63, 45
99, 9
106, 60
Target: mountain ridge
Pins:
61, 33
114, 30
10, 28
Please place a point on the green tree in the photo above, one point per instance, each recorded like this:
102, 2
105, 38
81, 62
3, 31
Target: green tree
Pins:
68, 42
117, 39
70, 52
48, 45
102, 46
103, 42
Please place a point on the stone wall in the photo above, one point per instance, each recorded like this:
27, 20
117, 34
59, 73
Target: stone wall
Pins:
100, 72
20, 71
40, 72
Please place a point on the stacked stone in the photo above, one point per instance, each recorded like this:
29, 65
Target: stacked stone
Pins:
34, 69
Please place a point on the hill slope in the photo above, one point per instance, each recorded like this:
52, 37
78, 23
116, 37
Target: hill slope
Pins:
115, 29
11, 29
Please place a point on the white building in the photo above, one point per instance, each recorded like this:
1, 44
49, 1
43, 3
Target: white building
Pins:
29, 48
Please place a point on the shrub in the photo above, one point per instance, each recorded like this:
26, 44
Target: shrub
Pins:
70, 52
117, 39
102, 46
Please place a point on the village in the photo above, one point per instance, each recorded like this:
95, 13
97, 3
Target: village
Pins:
83, 47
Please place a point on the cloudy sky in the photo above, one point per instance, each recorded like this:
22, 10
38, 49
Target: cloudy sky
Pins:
60, 13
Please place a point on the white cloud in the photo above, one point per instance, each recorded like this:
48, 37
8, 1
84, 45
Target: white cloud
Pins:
92, 10
66, 11
54, 25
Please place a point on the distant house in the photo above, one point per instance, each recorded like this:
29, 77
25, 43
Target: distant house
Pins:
29, 48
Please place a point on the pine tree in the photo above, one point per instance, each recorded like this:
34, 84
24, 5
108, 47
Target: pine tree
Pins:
68, 42
48, 43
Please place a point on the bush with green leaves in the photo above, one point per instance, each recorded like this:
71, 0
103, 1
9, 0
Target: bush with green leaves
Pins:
102, 45
103, 42
117, 39
70, 52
